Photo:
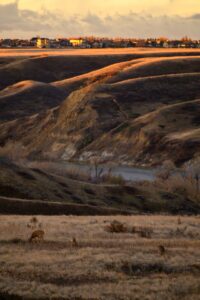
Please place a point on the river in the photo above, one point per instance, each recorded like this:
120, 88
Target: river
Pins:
128, 173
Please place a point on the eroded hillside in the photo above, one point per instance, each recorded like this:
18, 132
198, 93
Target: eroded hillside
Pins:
138, 111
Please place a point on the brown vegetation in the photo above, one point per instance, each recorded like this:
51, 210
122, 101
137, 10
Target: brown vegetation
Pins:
37, 235
116, 227
31, 190
185, 181
104, 265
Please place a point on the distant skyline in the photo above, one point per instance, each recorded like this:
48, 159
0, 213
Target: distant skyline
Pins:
112, 18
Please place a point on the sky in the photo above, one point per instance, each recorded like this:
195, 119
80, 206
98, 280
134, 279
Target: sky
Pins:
111, 18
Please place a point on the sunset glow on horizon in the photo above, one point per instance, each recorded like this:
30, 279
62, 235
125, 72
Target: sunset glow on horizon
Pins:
154, 7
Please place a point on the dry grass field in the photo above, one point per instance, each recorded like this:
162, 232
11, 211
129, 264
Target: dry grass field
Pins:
102, 264
107, 51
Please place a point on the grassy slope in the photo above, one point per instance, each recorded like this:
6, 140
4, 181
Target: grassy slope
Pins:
52, 68
111, 99
28, 98
48, 193
171, 132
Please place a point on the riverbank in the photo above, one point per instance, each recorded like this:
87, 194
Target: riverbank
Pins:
128, 173
42, 189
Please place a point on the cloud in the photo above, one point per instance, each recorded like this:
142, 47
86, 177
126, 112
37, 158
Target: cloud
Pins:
13, 19
195, 17
27, 23
93, 21
142, 25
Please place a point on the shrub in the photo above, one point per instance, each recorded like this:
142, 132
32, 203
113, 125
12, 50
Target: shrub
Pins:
33, 220
78, 175
145, 232
34, 223
116, 227
113, 179
166, 170
16, 241
185, 181
53, 168
13, 151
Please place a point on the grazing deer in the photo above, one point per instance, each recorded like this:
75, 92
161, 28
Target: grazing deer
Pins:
74, 242
162, 250
37, 235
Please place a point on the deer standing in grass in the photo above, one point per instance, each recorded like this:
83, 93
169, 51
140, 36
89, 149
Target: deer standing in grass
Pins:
74, 242
37, 235
162, 250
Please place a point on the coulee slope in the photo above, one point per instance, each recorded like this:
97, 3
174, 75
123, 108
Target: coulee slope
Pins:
140, 111
34, 191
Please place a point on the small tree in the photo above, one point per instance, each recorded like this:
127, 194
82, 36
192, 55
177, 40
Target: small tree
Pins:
166, 170
191, 173
98, 170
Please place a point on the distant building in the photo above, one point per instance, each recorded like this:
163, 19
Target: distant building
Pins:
98, 42
7, 43
42, 42
64, 43
54, 43
166, 44
76, 42
33, 41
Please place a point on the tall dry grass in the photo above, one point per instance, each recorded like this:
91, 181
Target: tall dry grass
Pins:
95, 174
13, 151
184, 181
102, 264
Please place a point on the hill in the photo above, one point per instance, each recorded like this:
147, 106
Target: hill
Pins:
51, 68
44, 66
27, 98
135, 109
126, 112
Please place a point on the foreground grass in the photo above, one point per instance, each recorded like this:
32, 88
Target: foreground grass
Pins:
104, 265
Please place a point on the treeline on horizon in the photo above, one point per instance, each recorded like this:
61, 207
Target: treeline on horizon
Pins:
99, 42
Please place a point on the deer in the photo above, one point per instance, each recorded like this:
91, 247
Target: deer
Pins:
162, 250
74, 242
37, 235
